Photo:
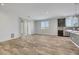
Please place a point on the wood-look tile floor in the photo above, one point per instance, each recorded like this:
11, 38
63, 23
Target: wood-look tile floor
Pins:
39, 45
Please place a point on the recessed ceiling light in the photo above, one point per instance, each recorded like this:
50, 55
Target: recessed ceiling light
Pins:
2, 4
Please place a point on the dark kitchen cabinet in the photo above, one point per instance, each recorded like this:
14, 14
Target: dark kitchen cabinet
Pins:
61, 25
60, 32
61, 22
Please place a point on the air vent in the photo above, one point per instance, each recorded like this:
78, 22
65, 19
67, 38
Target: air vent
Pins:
12, 35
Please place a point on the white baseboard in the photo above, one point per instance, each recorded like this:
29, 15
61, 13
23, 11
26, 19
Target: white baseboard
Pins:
9, 38
44, 34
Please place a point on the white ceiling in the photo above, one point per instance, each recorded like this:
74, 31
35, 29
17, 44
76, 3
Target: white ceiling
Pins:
40, 10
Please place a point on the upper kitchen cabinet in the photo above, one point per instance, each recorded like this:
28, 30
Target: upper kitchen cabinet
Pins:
61, 22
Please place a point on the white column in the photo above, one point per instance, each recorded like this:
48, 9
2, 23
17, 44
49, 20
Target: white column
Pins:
21, 29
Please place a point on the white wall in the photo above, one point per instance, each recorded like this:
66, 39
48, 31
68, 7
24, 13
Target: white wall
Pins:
37, 27
53, 27
52, 30
8, 24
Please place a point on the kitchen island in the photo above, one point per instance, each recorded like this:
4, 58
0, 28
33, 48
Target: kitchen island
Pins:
74, 36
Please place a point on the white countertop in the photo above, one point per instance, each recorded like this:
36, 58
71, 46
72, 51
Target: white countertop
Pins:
73, 31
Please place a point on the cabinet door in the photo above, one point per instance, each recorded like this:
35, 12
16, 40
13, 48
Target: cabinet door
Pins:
60, 32
61, 22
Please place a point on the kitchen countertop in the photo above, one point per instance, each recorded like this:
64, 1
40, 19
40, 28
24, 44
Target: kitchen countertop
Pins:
73, 31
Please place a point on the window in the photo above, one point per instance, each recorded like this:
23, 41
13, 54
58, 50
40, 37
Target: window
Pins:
72, 22
75, 22
44, 24
69, 22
